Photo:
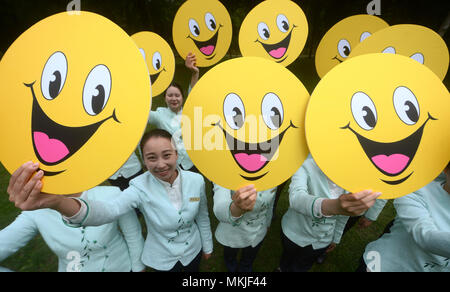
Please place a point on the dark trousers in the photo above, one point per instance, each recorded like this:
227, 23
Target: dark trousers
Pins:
193, 266
296, 258
248, 256
122, 182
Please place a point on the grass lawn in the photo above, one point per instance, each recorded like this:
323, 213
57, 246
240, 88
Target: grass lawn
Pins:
36, 256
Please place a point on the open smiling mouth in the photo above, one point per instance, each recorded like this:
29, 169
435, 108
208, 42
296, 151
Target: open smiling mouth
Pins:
278, 50
253, 157
392, 159
154, 77
208, 47
54, 143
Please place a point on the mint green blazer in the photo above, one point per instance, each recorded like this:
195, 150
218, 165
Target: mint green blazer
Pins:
251, 228
113, 247
172, 235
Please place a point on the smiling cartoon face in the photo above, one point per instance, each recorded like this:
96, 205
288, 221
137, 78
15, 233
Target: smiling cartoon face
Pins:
245, 123
337, 44
77, 102
159, 58
276, 30
417, 42
380, 122
204, 29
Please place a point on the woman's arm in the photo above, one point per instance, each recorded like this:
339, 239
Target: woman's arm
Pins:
132, 232
24, 190
191, 64
222, 201
203, 223
416, 218
17, 235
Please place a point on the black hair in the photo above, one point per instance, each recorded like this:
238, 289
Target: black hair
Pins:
154, 134
176, 85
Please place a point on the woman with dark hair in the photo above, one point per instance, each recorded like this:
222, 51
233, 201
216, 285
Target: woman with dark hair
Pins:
172, 200
169, 118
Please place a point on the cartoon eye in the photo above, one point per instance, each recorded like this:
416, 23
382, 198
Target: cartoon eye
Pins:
272, 111
364, 111
157, 61
344, 48
143, 54
54, 76
263, 31
210, 22
389, 50
364, 35
194, 27
418, 57
97, 89
234, 111
282, 23
406, 105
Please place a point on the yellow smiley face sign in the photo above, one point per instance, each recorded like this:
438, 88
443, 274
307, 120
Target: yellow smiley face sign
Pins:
75, 97
204, 29
380, 122
244, 124
417, 42
337, 44
159, 58
276, 30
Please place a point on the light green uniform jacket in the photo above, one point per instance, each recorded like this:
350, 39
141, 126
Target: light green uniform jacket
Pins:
420, 237
249, 229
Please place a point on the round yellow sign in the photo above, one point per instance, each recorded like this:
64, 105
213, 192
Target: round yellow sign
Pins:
75, 97
204, 29
276, 30
244, 124
159, 58
337, 44
380, 122
417, 42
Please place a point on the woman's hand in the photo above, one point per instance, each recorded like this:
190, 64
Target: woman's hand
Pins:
244, 200
25, 186
364, 223
24, 191
350, 204
206, 256
191, 63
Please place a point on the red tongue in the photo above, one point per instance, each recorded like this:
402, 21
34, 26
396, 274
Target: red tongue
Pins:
50, 150
391, 164
251, 163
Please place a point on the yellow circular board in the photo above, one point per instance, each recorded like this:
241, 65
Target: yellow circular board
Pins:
276, 30
244, 124
380, 122
204, 29
75, 97
159, 58
337, 44
417, 42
